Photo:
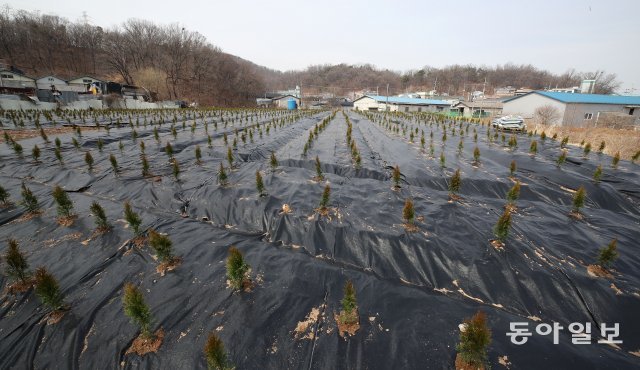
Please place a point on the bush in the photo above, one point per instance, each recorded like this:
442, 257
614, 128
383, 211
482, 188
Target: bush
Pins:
533, 149
561, 158
132, 218
474, 340
349, 314
4, 196
273, 161
169, 150
396, 176
48, 290
608, 254
408, 212
29, 201
198, 154
324, 201
514, 193
455, 182
162, 245
597, 174
65, 205
100, 216
512, 168
17, 266
260, 184
578, 199
476, 155
319, 175
602, 146
635, 157
501, 229
222, 176
136, 308
215, 354
237, 269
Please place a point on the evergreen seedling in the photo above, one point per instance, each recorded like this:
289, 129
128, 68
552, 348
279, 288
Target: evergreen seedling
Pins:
176, 169
230, 157
215, 354
237, 269
145, 166
319, 175
615, 160
88, 159
561, 158
100, 217
17, 266
396, 176
442, 160
602, 146
35, 153
512, 168
114, 163
324, 201
597, 174
273, 161
169, 150
635, 157
513, 193
162, 245
58, 155
132, 218
65, 205
136, 308
476, 155
260, 184
454, 183
4, 196
408, 213
349, 314
608, 254
474, 340
222, 176
29, 201
578, 199
48, 290
198, 154
501, 229
533, 149
587, 149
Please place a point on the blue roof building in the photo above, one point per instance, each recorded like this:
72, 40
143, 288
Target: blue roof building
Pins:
575, 109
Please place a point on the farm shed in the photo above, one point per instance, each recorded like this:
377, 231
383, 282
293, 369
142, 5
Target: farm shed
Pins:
399, 104
45, 83
478, 108
281, 101
574, 109
16, 80
87, 81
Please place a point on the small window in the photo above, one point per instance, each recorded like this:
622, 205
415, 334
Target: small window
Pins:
631, 110
6, 76
588, 115
406, 109
419, 109
87, 81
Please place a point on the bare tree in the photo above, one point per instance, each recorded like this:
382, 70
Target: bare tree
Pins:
547, 115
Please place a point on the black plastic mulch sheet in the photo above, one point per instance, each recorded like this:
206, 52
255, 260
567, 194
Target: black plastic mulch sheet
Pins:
413, 289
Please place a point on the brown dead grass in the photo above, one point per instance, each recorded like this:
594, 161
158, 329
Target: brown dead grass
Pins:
498, 245
462, 365
143, 345
598, 271
410, 228
55, 317
576, 215
66, 221
347, 329
625, 141
168, 266
19, 287
21, 134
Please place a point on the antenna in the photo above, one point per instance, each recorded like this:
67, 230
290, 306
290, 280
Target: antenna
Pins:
85, 17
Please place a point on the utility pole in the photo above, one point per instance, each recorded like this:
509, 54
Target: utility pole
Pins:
484, 86
435, 86
387, 105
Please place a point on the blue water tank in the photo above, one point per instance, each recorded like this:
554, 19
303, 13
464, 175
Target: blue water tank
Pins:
291, 104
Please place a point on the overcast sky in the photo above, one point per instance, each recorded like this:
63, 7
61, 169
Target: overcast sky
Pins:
399, 35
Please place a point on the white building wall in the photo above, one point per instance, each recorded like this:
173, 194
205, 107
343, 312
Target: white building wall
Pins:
10, 79
367, 103
578, 114
527, 105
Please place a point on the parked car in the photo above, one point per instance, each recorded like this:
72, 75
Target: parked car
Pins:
509, 123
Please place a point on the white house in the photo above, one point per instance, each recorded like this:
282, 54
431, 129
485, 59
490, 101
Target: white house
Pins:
45, 83
87, 81
13, 79
478, 108
399, 104
574, 109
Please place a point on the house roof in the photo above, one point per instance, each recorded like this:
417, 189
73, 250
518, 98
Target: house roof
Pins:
571, 98
54, 76
86, 76
405, 101
16, 73
285, 96
481, 104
